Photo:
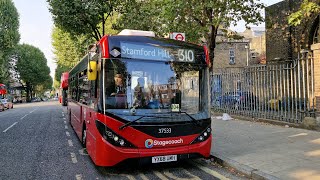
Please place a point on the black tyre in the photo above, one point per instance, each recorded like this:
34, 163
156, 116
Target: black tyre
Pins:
84, 136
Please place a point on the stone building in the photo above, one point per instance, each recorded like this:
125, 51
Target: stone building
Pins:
257, 38
246, 51
231, 54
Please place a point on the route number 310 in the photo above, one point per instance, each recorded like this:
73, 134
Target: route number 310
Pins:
185, 55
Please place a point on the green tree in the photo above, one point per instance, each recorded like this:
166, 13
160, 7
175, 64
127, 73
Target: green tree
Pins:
46, 85
32, 68
9, 35
68, 49
79, 17
198, 19
306, 10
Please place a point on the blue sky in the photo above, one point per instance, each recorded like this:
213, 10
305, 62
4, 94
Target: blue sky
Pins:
36, 26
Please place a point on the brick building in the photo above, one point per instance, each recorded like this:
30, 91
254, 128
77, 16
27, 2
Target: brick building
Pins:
246, 51
284, 41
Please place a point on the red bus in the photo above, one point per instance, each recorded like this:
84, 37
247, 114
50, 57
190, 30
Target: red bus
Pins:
141, 98
64, 88
3, 90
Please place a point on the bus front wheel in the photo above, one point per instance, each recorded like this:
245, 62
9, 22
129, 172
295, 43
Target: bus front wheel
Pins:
84, 136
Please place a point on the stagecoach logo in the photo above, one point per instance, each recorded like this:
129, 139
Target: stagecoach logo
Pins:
149, 143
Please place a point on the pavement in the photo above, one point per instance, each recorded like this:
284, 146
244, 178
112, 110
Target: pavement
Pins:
266, 151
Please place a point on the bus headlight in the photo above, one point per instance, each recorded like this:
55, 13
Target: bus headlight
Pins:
111, 136
203, 136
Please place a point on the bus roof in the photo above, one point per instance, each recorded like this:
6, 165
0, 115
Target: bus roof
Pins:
130, 32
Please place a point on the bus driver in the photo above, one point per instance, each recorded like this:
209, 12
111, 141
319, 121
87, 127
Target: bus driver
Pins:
119, 85
119, 91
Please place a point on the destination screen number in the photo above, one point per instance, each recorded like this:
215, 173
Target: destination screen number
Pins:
185, 55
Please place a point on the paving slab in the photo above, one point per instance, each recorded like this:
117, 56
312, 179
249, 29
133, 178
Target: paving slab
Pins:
267, 151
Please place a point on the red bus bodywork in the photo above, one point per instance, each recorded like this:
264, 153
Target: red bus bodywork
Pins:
64, 88
3, 89
64, 80
84, 118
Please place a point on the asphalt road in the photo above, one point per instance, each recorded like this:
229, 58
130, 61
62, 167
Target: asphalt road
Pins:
37, 142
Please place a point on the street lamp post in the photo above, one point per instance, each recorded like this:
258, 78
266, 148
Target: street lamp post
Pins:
247, 49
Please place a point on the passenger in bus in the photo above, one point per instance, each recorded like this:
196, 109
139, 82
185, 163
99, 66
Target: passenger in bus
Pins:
140, 99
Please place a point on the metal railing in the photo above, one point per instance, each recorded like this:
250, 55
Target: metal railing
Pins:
282, 91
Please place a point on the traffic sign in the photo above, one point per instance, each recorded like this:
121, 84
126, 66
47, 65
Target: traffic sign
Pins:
178, 36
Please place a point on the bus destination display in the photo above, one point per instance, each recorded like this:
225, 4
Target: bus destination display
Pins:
151, 52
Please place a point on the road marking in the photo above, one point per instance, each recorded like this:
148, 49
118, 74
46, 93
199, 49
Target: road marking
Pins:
143, 177
67, 133
73, 157
24, 116
32, 111
65, 122
70, 143
301, 134
78, 177
210, 171
130, 177
162, 177
66, 127
10, 127
170, 175
64, 118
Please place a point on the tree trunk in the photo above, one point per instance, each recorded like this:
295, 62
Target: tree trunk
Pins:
103, 23
28, 92
212, 44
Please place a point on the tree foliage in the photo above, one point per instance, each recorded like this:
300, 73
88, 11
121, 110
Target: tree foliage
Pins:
9, 35
79, 17
306, 10
32, 67
198, 19
68, 49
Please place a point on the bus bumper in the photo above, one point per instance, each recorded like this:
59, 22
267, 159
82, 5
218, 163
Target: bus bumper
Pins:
109, 155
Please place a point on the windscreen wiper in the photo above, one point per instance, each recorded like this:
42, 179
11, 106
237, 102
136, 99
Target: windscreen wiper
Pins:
196, 122
129, 123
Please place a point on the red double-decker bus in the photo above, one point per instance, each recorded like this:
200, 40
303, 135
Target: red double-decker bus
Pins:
143, 98
64, 88
3, 90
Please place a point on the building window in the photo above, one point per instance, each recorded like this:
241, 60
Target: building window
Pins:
253, 55
232, 59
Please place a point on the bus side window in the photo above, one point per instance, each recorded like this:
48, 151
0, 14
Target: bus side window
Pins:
84, 88
92, 93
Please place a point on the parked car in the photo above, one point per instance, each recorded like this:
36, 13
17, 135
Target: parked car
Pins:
239, 100
2, 108
35, 99
7, 104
